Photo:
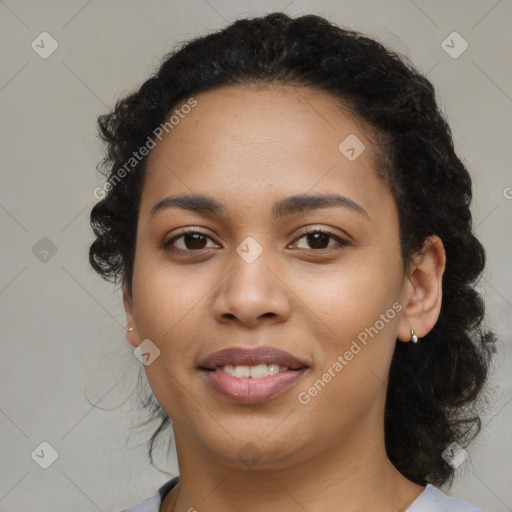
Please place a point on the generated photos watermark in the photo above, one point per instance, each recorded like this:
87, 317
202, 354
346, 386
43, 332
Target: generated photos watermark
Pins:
143, 151
343, 360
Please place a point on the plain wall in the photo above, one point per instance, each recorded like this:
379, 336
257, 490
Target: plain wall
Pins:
63, 346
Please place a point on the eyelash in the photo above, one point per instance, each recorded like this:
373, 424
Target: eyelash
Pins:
167, 245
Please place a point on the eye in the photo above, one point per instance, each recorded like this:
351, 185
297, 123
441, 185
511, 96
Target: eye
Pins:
193, 240
317, 238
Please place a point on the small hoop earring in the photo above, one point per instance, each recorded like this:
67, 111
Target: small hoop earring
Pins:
414, 338
129, 329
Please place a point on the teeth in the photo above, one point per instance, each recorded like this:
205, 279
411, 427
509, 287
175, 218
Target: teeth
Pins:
273, 369
229, 369
257, 371
242, 371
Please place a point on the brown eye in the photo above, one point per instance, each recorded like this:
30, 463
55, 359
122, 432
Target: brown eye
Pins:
192, 241
195, 241
318, 239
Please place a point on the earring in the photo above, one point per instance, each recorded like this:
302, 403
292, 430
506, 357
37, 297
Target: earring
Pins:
414, 338
129, 329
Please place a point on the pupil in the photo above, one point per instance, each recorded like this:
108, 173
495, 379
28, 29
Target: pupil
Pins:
317, 237
196, 241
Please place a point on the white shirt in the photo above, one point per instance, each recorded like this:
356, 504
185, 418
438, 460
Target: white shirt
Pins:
430, 500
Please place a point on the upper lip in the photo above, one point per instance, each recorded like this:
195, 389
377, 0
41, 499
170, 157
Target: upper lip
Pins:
238, 356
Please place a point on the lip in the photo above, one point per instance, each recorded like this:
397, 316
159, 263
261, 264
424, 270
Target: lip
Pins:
249, 390
251, 357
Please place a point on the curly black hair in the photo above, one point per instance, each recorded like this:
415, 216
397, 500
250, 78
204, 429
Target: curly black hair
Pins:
435, 386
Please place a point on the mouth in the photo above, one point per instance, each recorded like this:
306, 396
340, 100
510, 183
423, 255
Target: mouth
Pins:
255, 372
251, 375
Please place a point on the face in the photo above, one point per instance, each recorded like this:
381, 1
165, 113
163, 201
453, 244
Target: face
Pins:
254, 277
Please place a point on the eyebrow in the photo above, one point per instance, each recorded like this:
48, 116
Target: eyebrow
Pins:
284, 207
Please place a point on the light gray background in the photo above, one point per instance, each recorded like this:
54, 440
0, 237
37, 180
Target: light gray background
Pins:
63, 346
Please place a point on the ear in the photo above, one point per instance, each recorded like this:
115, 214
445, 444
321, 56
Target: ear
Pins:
131, 336
422, 290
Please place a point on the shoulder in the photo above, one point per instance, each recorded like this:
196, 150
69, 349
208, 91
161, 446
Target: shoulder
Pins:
434, 500
152, 504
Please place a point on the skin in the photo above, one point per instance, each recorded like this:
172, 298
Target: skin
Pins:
248, 148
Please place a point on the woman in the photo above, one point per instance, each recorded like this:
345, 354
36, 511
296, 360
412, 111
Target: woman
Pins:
291, 226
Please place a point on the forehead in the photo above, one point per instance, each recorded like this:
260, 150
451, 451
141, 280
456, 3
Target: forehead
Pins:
274, 115
252, 142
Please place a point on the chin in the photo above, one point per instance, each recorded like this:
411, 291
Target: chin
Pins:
248, 449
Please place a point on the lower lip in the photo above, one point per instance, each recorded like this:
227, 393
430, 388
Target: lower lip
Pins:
248, 390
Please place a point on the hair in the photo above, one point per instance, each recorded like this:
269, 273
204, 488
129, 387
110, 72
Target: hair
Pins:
435, 387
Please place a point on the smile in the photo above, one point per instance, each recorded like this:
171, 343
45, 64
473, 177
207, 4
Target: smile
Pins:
250, 375
256, 372
248, 389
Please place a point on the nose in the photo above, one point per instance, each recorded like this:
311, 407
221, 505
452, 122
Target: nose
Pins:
252, 292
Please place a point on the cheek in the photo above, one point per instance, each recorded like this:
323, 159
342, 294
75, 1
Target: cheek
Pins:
168, 312
166, 295
353, 360
357, 332
353, 295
